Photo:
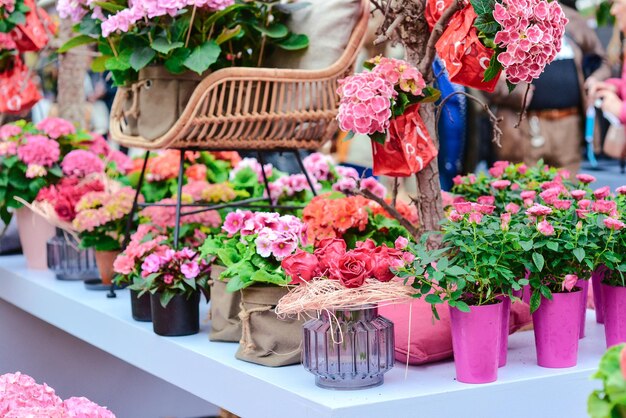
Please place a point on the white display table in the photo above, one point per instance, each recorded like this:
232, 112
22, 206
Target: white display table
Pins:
211, 372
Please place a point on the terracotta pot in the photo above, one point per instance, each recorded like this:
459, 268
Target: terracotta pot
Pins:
104, 260
34, 233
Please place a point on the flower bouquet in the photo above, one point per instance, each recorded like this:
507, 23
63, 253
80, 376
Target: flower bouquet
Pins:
174, 280
519, 37
610, 400
251, 251
384, 104
345, 288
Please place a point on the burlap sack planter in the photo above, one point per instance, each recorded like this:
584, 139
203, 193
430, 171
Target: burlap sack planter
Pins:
154, 102
225, 307
266, 339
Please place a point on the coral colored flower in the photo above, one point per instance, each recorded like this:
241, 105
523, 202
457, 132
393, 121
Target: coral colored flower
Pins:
538, 210
545, 228
613, 224
196, 172
569, 282
585, 178
578, 194
602, 192
500, 184
56, 127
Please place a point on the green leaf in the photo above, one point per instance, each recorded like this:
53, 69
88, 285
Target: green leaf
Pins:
526, 245
482, 7
263, 276
175, 64
579, 253
379, 137
510, 86
141, 57
597, 407
203, 56
293, 42
545, 292
16, 18
462, 306
228, 34
274, 30
493, 70
554, 246
235, 284
166, 297
433, 299
164, 46
75, 42
109, 7
456, 271
121, 62
486, 24
538, 260
535, 301
98, 65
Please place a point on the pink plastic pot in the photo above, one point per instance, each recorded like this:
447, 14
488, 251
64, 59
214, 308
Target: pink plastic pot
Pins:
614, 300
504, 333
584, 285
557, 330
596, 280
476, 343
34, 233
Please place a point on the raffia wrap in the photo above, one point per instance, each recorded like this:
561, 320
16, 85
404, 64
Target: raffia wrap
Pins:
266, 339
225, 306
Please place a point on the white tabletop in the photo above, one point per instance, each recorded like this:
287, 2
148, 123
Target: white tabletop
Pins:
210, 371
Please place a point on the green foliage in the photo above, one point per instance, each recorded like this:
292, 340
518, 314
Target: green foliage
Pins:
17, 17
610, 401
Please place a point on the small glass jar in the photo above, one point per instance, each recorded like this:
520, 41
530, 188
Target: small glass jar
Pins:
67, 261
349, 348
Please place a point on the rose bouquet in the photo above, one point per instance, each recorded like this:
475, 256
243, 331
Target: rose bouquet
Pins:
21, 396
610, 401
383, 104
182, 36
253, 246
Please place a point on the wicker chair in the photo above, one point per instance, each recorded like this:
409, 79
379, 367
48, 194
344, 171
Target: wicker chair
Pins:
242, 108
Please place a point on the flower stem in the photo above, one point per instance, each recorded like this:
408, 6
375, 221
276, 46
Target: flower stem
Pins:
193, 16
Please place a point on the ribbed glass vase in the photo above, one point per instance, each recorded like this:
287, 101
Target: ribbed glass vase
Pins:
349, 348
67, 261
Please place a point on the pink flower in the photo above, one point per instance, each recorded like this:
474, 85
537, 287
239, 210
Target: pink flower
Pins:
512, 208
604, 206
486, 200
39, 150
505, 220
151, 264
8, 131
56, 127
545, 228
401, 243
528, 194
538, 210
374, 186
569, 282
500, 184
584, 204
463, 207
282, 249
602, 192
234, 222
457, 180
522, 169
578, 194
582, 213
585, 178
84, 408
613, 224
562, 204
475, 217
485, 209
190, 270
550, 195
80, 163
8, 148
621, 190
455, 216
123, 264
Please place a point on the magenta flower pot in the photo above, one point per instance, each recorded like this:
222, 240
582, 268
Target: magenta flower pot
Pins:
614, 301
584, 285
596, 280
476, 342
557, 330
504, 331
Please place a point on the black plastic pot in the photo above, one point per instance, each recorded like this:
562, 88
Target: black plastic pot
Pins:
180, 317
140, 306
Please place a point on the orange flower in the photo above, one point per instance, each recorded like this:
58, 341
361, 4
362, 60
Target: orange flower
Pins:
196, 172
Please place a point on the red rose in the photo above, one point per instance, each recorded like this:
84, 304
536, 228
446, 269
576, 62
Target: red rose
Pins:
384, 258
353, 268
329, 251
64, 209
301, 267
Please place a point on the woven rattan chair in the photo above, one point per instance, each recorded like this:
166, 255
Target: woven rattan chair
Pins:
256, 108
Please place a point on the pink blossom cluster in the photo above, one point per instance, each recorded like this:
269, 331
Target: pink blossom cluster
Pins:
165, 216
255, 166
145, 241
349, 185
472, 212
400, 73
365, 106
7, 5
530, 36
276, 235
21, 397
38, 153
56, 127
319, 166
73, 9
290, 185
8, 131
81, 163
96, 209
174, 266
6, 42
8, 148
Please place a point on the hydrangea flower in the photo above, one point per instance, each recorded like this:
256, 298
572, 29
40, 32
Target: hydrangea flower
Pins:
39, 150
81, 163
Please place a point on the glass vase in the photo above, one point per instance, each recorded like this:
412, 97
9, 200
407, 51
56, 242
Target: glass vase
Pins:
67, 261
349, 348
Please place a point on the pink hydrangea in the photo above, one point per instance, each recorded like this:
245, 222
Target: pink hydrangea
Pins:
7, 42
79, 407
530, 35
8, 148
39, 150
122, 162
8, 131
365, 105
401, 73
122, 21
81, 163
19, 391
72, 9
56, 127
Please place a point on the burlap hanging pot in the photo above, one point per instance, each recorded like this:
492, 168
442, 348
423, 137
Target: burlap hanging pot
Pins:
154, 102
225, 307
266, 339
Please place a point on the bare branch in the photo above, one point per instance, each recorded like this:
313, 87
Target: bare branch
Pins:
378, 6
435, 34
384, 37
394, 196
412, 229
522, 113
497, 132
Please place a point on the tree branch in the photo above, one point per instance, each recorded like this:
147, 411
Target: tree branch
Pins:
412, 229
522, 113
435, 34
496, 131
384, 37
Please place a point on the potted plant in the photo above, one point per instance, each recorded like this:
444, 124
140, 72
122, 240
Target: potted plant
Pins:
251, 249
174, 279
161, 52
609, 402
476, 270
101, 220
344, 287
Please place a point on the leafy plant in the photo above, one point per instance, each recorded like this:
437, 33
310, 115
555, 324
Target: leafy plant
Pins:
12, 16
610, 401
